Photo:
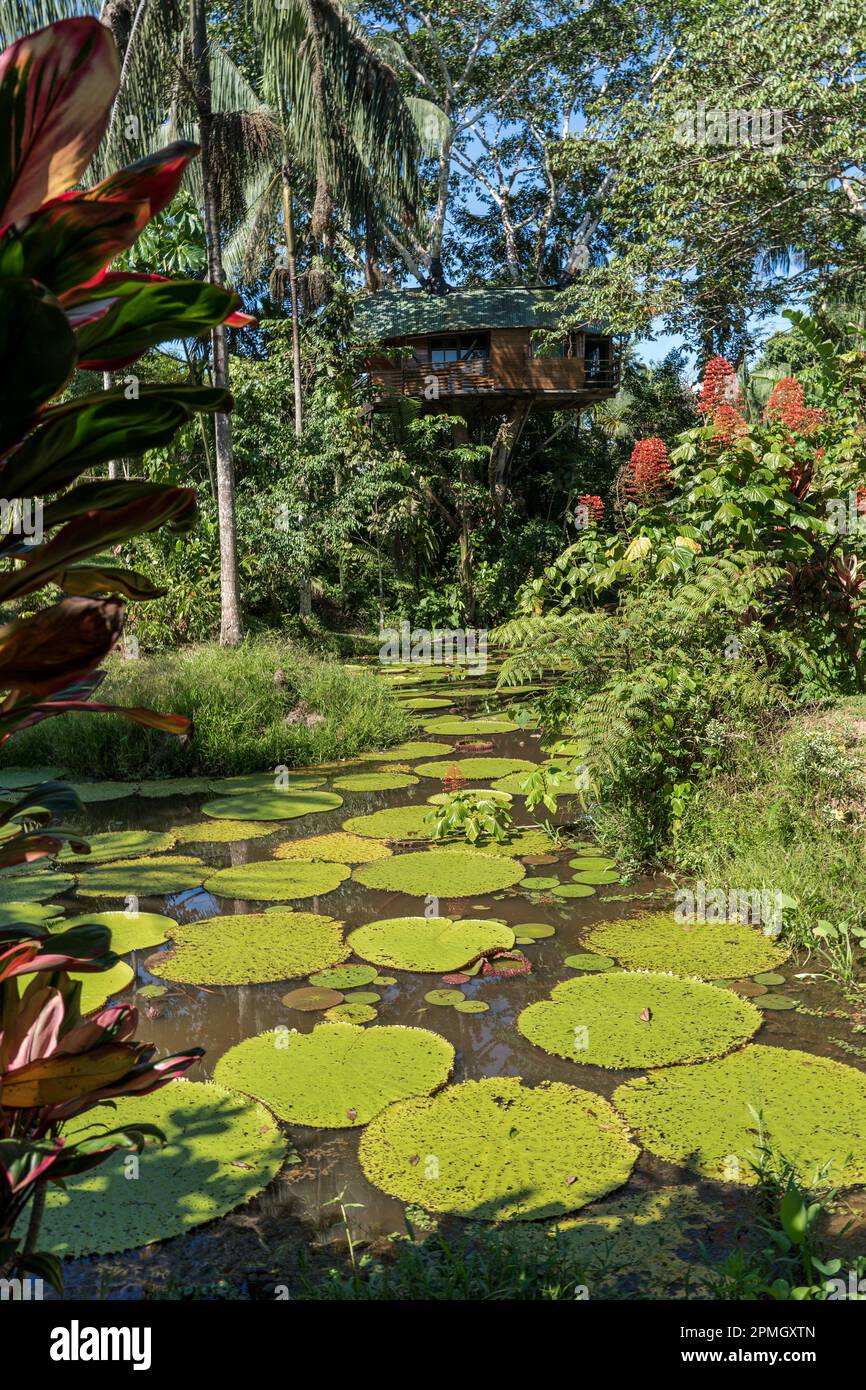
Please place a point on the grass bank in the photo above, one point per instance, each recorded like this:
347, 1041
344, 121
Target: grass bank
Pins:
253, 707
790, 816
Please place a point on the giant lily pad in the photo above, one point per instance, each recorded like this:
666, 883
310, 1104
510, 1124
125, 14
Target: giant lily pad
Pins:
519, 842
268, 804
130, 931
222, 832
512, 784
338, 1076
34, 914
638, 1020
435, 944
499, 1150
221, 1150
393, 823
375, 782
251, 948
14, 778
442, 873
120, 844
142, 877
812, 1110
336, 848
98, 987
33, 886
473, 769
161, 787
447, 724
270, 880
419, 702
344, 977
104, 791
263, 781
711, 950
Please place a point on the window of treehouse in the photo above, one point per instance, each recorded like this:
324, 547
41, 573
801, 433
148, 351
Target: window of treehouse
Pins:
597, 358
462, 347
542, 344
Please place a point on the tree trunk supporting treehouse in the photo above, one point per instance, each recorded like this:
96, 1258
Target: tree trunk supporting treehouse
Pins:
503, 448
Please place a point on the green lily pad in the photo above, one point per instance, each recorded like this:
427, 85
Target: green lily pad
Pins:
512, 783
151, 992
103, 791
120, 844
363, 996
405, 752
336, 848
499, 1150
587, 961
770, 977
420, 703
535, 931
221, 1150
252, 948
130, 931
777, 1001
444, 997
442, 873
14, 778
573, 890
157, 788
351, 1013
597, 876
474, 769
392, 823
142, 878
589, 863
600, 1020
384, 980
312, 999
338, 1076
271, 880
428, 944
375, 782
710, 950
98, 987
447, 724
222, 832
263, 782
439, 799
471, 1006
813, 1110
33, 886
539, 883
344, 977
32, 914
271, 805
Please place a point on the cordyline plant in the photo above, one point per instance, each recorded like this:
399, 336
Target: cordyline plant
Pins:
62, 308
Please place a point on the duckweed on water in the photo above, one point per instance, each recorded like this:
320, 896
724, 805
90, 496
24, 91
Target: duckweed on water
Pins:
502, 1150
813, 1110
442, 873
638, 1020
271, 880
271, 805
711, 950
338, 1076
221, 1150
251, 948
337, 848
428, 944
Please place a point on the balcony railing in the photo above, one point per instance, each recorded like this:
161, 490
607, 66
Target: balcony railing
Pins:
431, 380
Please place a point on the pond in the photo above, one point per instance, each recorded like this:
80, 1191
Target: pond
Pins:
550, 934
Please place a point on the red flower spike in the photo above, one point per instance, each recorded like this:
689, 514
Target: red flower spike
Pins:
648, 473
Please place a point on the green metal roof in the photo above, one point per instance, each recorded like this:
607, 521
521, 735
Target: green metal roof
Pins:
413, 313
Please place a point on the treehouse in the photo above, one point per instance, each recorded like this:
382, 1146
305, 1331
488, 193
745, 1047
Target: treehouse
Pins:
488, 349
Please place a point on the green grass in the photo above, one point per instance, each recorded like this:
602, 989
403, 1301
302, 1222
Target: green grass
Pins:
791, 817
238, 710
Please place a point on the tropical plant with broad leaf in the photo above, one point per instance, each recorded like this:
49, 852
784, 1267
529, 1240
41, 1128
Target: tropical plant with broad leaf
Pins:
62, 307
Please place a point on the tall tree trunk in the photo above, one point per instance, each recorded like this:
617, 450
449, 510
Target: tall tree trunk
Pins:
503, 447
305, 593
107, 383
231, 629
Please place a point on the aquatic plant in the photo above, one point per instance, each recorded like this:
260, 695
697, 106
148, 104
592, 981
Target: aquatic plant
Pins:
96, 990
263, 804
344, 976
374, 782
251, 948
638, 1020
448, 724
339, 847
405, 752
442, 873
127, 931
221, 1150
222, 832
271, 880
812, 1109
170, 873
471, 816
121, 844
498, 1150
428, 944
474, 769
338, 1076
711, 950
34, 885
391, 823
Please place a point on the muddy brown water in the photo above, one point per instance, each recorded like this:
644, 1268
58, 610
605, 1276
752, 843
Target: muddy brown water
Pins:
486, 1044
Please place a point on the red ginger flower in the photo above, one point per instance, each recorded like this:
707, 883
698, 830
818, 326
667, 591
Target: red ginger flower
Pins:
787, 407
721, 400
593, 506
648, 472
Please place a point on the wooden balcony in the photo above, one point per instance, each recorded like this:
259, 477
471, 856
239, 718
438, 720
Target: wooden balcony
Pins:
555, 381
